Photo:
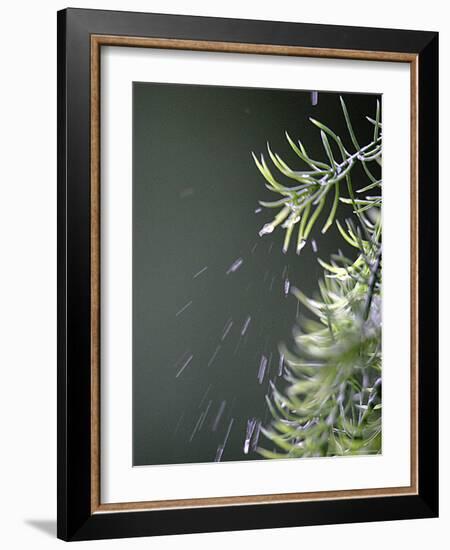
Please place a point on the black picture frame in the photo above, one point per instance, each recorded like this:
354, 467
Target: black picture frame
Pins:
76, 519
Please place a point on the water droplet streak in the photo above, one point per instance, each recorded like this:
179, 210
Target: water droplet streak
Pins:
185, 365
204, 396
254, 443
205, 414
178, 424
213, 356
235, 266
280, 364
219, 415
251, 424
262, 368
246, 325
179, 312
221, 448
181, 358
200, 272
287, 286
227, 329
194, 431
271, 283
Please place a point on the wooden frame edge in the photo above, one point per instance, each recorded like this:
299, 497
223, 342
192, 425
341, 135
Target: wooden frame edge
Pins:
252, 499
249, 48
232, 47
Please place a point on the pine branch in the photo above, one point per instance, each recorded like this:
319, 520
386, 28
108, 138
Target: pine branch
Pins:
331, 401
298, 201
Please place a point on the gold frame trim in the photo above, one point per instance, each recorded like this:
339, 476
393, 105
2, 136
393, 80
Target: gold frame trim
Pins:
97, 41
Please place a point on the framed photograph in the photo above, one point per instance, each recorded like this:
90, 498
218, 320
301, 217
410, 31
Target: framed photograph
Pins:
247, 254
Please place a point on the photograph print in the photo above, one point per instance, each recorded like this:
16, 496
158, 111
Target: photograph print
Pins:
257, 263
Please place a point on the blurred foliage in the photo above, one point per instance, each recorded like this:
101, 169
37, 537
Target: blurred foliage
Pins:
330, 400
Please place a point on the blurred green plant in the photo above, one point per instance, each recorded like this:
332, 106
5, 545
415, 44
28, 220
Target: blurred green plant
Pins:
330, 402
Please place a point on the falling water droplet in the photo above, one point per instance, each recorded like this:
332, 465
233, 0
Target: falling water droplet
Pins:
194, 431
213, 356
219, 454
280, 364
200, 272
271, 283
178, 424
179, 312
245, 325
257, 431
181, 358
205, 395
184, 366
219, 415
237, 345
262, 368
235, 266
251, 424
227, 329
221, 448
287, 286
205, 415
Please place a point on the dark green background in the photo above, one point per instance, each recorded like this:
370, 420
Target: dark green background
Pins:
195, 190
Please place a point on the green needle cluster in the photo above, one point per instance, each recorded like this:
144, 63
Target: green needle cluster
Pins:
329, 400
